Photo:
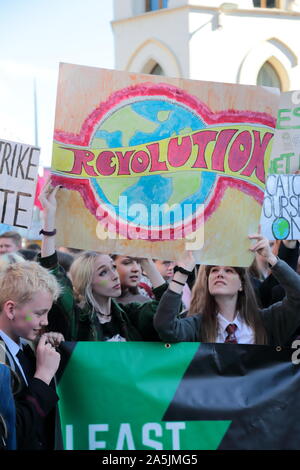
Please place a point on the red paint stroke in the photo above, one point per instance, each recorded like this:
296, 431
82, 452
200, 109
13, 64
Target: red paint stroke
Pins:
165, 91
80, 185
217, 193
171, 93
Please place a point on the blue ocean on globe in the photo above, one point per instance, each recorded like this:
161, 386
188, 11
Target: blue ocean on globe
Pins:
281, 228
156, 189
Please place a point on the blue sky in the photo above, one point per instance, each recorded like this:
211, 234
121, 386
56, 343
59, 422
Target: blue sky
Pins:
35, 35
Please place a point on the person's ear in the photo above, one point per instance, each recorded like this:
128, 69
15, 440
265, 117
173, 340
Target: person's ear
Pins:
9, 309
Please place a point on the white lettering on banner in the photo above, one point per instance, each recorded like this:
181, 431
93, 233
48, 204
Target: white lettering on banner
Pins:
93, 429
69, 437
175, 428
125, 436
124, 439
147, 429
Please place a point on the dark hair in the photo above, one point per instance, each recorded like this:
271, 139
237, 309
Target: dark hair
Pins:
30, 255
246, 306
65, 260
134, 290
33, 246
253, 269
115, 256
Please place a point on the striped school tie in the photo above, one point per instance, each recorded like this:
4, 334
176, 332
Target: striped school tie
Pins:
231, 338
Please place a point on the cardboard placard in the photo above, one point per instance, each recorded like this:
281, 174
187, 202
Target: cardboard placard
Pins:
153, 165
18, 176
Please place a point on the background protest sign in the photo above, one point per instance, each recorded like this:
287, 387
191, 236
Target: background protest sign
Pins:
280, 219
285, 156
153, 165
189, 396
18, 177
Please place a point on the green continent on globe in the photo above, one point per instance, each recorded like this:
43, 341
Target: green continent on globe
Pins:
142, 123
183, 186
115, 190
117, 121
112, 125
281, 228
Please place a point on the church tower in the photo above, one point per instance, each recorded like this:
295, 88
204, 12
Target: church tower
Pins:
244, 41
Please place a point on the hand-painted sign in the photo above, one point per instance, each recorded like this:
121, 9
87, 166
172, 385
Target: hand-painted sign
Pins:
18, 176
285, 156
280, 218
154, 162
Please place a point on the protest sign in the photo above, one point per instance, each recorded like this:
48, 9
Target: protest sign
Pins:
18, 176
280, 213
188, 396
280, 219
153, 165
285, 156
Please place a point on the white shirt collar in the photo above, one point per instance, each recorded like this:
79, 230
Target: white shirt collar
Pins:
14, 348
244, 333
223, 322
11, 344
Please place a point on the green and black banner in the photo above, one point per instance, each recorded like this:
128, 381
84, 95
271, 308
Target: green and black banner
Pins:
185, 396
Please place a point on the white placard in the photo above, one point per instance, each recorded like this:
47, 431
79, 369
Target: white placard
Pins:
280, 217
18, 176
285, 157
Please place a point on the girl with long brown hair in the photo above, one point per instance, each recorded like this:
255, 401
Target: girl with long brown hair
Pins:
228, 308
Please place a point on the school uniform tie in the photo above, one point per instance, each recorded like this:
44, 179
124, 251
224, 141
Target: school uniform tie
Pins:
231, 329
27, 360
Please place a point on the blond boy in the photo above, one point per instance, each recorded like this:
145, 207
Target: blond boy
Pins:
27, 292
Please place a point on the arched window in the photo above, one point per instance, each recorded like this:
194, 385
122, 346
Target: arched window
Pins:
268, 76
156, 70
267, 3
156, 4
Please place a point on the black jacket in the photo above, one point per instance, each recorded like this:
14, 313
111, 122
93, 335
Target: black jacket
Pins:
280, 320
35, 410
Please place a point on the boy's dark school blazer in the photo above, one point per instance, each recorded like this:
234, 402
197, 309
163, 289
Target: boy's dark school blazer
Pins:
35, 407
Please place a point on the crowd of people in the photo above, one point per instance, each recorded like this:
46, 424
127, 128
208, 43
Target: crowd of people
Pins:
48, 295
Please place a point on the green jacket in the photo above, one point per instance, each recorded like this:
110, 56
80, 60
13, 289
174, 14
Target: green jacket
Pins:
134, 320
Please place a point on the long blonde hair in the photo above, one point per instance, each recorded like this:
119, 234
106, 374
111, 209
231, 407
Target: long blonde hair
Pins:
81, 273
